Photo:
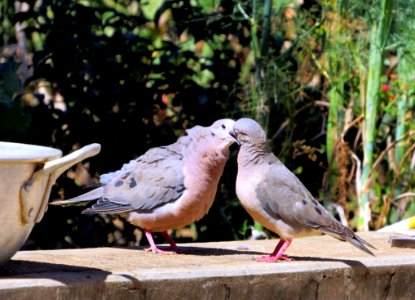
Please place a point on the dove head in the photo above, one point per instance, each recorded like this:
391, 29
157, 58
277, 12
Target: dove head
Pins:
221, 130
249, 132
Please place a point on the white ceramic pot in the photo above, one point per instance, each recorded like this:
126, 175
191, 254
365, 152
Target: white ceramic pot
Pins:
27, 173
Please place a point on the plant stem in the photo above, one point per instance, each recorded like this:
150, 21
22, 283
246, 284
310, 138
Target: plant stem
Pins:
335, 119
255, 95
266, 27
379, 35
406, 74
263, 110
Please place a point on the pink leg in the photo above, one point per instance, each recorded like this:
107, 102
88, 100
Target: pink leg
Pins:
153, 248
278, 253
169, 240
173, 245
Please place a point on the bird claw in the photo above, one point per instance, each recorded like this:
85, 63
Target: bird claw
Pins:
159, 251
271, 258
172, 250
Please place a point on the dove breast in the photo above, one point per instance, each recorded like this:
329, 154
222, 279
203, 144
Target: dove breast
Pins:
264, 204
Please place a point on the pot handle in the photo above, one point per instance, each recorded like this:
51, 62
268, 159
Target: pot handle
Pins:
51, 171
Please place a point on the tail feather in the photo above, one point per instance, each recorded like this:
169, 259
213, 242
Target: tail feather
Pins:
341, 232
360, 243
355, 240
83, 199
107, 207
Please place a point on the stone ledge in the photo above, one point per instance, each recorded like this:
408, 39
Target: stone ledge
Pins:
324, 268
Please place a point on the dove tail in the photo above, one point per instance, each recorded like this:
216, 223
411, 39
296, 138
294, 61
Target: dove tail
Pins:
361, 244
81, 199
107, 207
343, 233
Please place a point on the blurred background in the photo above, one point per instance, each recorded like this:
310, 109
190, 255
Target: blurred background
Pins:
331, 81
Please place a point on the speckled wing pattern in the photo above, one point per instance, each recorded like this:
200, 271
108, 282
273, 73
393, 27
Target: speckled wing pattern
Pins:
284, 197
154, 179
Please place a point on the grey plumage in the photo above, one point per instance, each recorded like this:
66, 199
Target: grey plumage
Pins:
275, 197
167, 187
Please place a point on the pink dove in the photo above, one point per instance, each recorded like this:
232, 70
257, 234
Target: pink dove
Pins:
276, 198
167, 187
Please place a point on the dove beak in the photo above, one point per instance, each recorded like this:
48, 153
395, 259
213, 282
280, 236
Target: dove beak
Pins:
232, 133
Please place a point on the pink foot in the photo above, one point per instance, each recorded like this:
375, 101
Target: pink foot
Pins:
153, 248
273, 258
158, 251
173, 247
278, 253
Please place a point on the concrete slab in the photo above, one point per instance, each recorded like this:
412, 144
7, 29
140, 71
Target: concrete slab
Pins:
324, 268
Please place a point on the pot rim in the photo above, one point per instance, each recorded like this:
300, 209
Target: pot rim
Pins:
23, 153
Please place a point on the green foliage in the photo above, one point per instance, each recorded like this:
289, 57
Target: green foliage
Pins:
134, 74
13, 121
131, 79
6, 22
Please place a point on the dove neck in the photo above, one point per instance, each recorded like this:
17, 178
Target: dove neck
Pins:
252, 154
207, 160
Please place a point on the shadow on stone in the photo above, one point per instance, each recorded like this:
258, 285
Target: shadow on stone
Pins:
58, 272
207, 251
349, 262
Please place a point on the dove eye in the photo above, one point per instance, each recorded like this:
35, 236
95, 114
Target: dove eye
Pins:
223, 126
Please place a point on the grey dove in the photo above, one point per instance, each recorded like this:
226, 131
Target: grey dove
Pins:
276, 198
167, 187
